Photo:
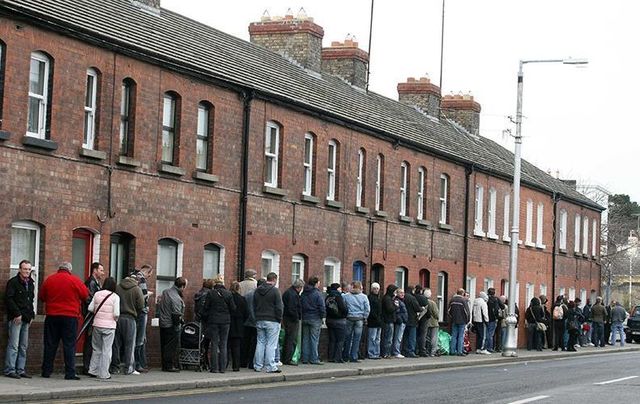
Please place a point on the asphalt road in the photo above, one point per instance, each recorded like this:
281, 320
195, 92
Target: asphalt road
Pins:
592, 379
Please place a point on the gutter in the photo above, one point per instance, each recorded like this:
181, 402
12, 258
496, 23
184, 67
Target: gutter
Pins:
465, 260
556, 199
247, 97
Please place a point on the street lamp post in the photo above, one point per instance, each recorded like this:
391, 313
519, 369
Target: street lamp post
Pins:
511, 345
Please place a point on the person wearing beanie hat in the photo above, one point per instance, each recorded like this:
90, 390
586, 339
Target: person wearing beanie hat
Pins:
374, 322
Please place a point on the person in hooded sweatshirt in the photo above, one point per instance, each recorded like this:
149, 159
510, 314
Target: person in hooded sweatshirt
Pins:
480, 321
218, 308
131, 305
357, 313
389, 319
313, 311
459, 316
267, 310
374, 322
199, 300
336, 322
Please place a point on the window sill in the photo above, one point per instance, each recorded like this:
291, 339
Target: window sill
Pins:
529, 244
39, 143
562, 251
362, 209
492, 236
424, 223
4, 135
202, 176
128, 161
169, 169
479, 233
541, 246
381, 213
577, 254
310, 199
506, 239
93, 154
585, 255
445, 226
333, 204
274, 191
405, 219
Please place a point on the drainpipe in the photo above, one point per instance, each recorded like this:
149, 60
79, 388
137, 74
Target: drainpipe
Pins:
247, 97
556, 199
465, 261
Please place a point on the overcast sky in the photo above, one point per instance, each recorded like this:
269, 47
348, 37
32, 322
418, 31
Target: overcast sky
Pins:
580, 122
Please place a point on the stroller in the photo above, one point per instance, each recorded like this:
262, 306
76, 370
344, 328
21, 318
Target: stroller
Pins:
193, 353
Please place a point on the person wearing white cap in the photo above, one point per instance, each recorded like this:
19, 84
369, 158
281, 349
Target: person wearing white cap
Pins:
374, 322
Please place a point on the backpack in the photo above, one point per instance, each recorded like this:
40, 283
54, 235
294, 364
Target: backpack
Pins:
332, 306
558, 313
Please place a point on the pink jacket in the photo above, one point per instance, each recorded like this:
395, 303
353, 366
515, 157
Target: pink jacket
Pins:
109, 312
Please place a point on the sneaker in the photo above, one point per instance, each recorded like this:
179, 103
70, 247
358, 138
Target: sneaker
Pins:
279, 363
576, 346
12, 375
590, 344
399, 356
135, 372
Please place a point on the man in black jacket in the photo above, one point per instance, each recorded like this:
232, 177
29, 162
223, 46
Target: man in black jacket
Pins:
494, 305
389, 319
19, 295
409, 338
291, 320
374, 322
267, 307
94, 284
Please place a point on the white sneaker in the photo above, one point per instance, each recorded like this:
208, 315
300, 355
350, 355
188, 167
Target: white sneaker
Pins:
590, 344
399, 356
279, 363
485, 352
576, 346
135, 372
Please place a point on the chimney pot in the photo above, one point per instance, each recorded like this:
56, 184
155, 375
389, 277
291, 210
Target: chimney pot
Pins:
347, 61
420, 93
463, 109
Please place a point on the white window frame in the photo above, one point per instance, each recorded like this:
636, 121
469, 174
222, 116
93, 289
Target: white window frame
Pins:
479, 212
594, 243
563, 230
421, 179
169, 104
491, 231
43, 99
540, 226
332, 151
488, 284
221, 256
572, 294
583, 297
307, 164
271, 157
576, 239
379, 193
274, 266
585, 235
440, 296
402, 271
159, 263
335, 272
529, 224
506, 292
90, 110
297, 259
203, 135
543, 290
506, 231
13, 265
125, 117
360, 178
444, 200
404, 179
562, 292
471, 286
530, 292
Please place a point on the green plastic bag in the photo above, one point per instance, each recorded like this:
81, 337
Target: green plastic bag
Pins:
296, 352
444, 341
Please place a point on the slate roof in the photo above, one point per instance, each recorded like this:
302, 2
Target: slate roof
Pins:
172, 39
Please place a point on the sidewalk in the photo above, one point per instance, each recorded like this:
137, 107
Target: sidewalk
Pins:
56, 388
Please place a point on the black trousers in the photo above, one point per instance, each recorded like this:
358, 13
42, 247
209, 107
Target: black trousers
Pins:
337, 334
558, 334
290, 337
218, 334
58, 328
249, 350
169, 346
87, 350
235, 344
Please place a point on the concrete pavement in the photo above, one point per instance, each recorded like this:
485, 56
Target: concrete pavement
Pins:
56, 388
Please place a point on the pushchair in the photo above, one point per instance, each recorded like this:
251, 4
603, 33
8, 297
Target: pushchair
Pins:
192, 350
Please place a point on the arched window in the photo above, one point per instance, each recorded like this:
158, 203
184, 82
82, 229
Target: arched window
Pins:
25, 245
401, 277
169, 265
270, 263
539, 226
213, 261
377, 274
576, 239
39, 114
421, 203
442, 293
380, 182
271, 154
506, 226
479, 212
444, 199
529, 225
308, 164
360, 179
204, 132
171, 128
121, 255
491, 230
298, 265
425, 278
404, 189
562, 237
127, 117
91, 109
358, 271
331, 271
332, 171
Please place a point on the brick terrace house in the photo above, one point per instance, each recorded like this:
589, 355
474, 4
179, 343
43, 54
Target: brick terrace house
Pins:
130, 135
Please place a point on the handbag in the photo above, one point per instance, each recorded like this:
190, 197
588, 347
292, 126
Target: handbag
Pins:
539, 325
88, 320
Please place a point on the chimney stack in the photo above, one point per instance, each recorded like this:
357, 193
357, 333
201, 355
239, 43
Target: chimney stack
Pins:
420, 93
463, 110
346, 60
298, 38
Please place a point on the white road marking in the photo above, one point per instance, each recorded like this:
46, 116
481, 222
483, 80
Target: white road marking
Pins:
616, 380
529, 400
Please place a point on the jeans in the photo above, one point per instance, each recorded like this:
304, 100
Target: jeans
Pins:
503, 336
490, 337
457, 339
101, 342
598, 334
337, 332
617, 328
388, 339
432, 341
398, 332
352, 340
310, 339
218, 334
18, 342
373, 342
141, 339
590, 332
58, 328
481, 335
409, 340
124, 344
267, 340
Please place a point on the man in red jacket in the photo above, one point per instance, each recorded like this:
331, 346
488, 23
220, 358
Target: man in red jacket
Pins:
63, 294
